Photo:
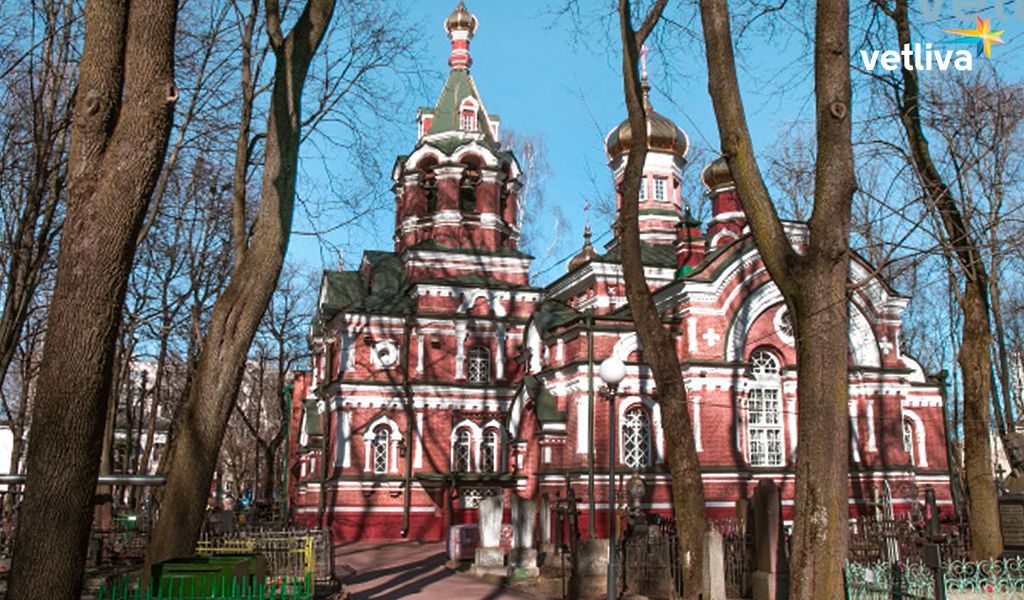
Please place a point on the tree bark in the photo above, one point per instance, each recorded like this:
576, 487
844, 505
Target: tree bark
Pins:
813, 284
659, 348
974, 355
237, 312
122, 120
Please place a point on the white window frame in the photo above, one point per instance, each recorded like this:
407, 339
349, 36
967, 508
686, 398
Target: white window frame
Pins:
394, 438
491, 441
463, 439
660, 189
643, 189
468, 115
909, 440
765, 435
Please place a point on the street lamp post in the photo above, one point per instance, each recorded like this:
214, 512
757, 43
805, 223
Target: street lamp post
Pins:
612, 372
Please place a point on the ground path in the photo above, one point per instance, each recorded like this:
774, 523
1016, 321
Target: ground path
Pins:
389, 570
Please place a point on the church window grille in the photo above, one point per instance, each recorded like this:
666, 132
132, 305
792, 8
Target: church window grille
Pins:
636, 438
489, 452
478, 364
764, 412
471, 497
462, 451
764, 365
381, 449
659, 189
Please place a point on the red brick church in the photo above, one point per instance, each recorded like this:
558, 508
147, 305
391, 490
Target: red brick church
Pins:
441, 375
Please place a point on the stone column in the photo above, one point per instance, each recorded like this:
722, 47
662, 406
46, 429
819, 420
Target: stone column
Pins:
490, 558
770, 581
522, 562
546, 546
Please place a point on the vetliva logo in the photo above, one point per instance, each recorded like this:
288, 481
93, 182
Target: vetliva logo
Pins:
916, 57
926, 58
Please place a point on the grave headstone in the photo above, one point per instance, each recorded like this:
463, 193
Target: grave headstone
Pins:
490, 557
1011, 522
714, 567
770, 580
523, 558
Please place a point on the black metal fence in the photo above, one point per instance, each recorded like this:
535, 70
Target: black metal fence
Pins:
650, 560
738, 553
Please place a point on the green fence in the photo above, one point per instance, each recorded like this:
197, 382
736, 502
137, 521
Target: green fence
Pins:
225, 588
1001, 578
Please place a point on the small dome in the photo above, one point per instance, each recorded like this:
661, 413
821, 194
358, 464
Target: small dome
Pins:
662, 134
586, 255
461, 18
716, 174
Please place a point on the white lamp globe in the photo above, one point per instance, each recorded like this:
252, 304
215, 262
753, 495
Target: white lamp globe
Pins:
612, 371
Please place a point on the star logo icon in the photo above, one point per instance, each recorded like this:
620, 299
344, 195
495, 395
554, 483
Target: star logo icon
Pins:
982, 35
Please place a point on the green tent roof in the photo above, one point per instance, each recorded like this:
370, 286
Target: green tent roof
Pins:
446, 112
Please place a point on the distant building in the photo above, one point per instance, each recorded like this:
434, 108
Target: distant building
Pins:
440, 375
135, 409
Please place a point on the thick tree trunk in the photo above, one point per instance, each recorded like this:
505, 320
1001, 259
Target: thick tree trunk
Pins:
659, 347
813, 283
821, 505
238, 311
123, 112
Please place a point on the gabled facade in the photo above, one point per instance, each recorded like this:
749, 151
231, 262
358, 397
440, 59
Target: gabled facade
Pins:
440, 375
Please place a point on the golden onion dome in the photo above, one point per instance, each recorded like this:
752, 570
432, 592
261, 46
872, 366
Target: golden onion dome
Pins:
716, 174
585, 255
662, 134
461, 18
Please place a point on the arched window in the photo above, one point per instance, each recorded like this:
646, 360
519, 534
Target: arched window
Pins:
478, 364
467, 115
764, 412
381, 446
462, 451
636, 439
489, 451
467, 190
429, 185
908, 440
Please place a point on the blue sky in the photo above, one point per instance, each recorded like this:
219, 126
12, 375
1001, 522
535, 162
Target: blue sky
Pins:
543, 81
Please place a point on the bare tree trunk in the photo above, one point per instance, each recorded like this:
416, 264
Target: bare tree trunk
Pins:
813, 283
976, 341
158, 380
37, 225
123, 112
659, 348
238, 311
